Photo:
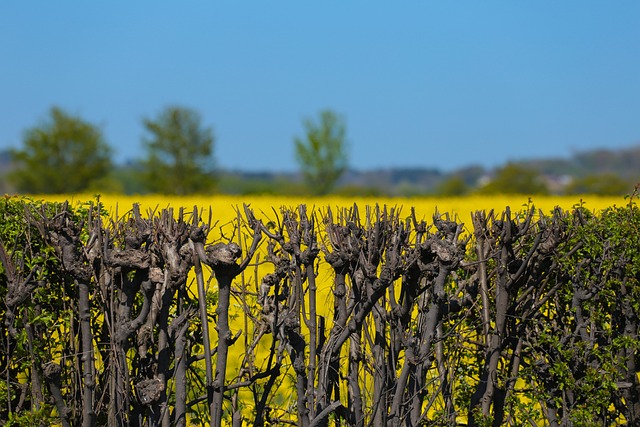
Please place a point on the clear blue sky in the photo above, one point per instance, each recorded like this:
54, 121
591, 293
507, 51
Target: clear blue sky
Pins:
420, 83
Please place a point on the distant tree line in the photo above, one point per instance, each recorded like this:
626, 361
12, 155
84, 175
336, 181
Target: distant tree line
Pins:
66, 154
365, 316
514, 178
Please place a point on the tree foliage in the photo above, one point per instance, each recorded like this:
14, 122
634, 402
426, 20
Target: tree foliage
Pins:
604, 184
516, 179
322, 152
179, 153
454, 185
64, 154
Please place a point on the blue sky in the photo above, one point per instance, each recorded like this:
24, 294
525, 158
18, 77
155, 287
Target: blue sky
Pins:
439, 84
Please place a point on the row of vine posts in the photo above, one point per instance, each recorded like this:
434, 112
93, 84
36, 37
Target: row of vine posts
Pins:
346, 316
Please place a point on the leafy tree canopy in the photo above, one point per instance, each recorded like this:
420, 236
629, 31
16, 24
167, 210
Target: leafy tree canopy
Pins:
321, 153
179, 153
516, 179
63, 154
604, 184
454, 185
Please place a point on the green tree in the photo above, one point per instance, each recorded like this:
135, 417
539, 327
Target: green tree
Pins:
604, 184
179, 153
321, 153
63, 154
516, 179
453, 185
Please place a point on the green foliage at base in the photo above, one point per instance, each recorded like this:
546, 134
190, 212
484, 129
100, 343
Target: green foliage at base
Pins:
560, 348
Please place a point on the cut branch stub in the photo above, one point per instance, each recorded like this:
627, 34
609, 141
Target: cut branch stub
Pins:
340, 263
129, 259
52, 371
447, 252
198, 234
222, 258
150, 390
18, 288
63, 233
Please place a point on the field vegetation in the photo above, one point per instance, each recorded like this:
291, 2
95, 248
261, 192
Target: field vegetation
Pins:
64, 153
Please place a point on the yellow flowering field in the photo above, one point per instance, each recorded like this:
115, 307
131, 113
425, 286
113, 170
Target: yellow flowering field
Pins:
224, 209
223, 206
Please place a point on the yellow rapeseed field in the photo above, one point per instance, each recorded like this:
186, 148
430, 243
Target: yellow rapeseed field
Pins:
224, 210
223, 206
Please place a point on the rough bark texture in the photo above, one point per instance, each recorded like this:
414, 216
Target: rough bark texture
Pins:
344, 317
